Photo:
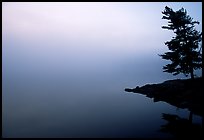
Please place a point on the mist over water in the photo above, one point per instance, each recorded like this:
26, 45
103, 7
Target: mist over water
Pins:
72, 85
75, 93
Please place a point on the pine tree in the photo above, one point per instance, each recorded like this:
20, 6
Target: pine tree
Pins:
185, 49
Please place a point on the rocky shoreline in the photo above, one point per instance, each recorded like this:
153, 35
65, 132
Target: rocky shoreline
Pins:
182, 93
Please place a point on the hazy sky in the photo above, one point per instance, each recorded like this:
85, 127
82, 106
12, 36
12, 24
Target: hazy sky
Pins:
86, 35
120, 24
65, 67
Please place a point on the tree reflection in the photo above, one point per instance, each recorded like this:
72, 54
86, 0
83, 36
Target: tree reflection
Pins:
181, 127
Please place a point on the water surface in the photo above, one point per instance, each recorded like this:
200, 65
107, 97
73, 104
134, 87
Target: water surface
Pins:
41, 100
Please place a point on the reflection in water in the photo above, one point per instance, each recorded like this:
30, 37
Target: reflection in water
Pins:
181, 127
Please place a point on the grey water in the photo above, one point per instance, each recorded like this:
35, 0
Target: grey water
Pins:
74, 93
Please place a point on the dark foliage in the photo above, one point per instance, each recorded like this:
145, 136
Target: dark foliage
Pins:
185, 49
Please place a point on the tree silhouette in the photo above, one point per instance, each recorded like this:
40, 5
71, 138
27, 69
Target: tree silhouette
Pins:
185, 50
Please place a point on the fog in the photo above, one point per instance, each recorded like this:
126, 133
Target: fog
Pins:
65, 67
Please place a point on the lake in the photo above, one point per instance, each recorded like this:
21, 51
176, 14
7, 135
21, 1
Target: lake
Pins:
64, 95
65, 67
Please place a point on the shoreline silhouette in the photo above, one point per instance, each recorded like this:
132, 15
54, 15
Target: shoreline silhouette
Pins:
182, 93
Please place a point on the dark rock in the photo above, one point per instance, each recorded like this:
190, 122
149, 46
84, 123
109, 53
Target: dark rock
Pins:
182, 93
128, 90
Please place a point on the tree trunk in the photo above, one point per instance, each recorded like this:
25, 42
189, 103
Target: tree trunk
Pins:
191, 72
190, 117
202, 122
192, 75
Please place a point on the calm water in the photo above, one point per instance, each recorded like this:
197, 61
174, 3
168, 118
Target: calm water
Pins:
58, 95
65, 67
